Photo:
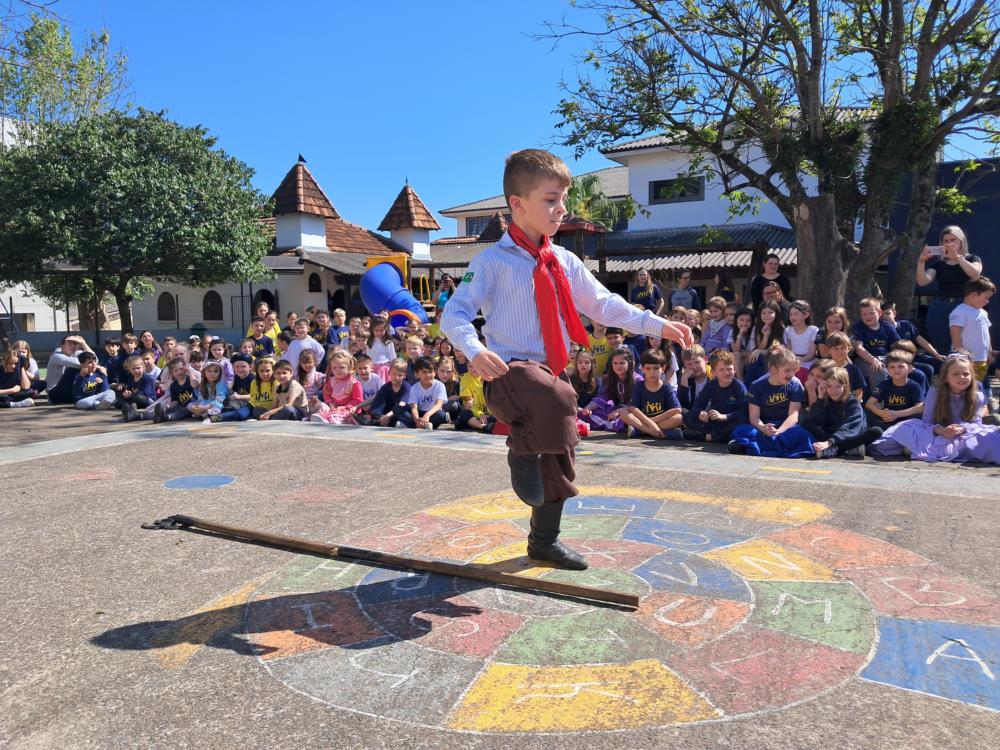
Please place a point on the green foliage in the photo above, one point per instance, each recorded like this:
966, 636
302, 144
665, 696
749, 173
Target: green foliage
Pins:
587, 200
129, 198
953, 201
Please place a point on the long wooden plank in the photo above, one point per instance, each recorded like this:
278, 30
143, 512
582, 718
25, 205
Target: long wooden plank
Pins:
425, 564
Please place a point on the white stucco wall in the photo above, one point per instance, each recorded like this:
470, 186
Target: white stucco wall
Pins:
300, 230
416, 240
20, 300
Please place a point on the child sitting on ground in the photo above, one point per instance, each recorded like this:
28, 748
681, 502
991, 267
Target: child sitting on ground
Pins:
584, 381
839, 346
137, 390
263, 345
872, 339
238, 407
800, 335
444, 371
15, 383
775, 401
111, 360
717, 332
694, 376
212, 393
413, 348
390, 401
23, 348
721, 404
917, 376
183, 391
217, 354
926, 357
815, 384
342, 393
654, 409
951, 428
836, 421
598, 348
475, 414
262, 388
371, 383
246, 347
289, 395
605, 411
90, 388
425, 404
897, 397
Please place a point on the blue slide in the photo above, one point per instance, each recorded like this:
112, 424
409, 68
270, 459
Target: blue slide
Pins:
382, 289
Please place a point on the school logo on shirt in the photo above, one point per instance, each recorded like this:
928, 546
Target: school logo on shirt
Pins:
652, 408
778, 397
90, 386
897, 399
184, 396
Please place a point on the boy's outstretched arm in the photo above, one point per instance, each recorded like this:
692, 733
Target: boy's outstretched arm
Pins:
456, 322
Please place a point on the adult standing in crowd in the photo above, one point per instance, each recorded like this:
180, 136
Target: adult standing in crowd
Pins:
646, 293
683, 295
772, 292
444, 292
772, 272
952, 268
724, 285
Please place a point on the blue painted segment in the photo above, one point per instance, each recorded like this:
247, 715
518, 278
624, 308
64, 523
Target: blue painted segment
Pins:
603, 505
384, 585
684, 573
679, 536
960, 662
199, 482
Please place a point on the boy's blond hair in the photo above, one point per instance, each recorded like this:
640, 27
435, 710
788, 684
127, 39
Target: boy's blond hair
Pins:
719, 302
525, 169
836, 339
870, 302
692, 352
414, 340
398, 365
906, 346
721, 355
779, 356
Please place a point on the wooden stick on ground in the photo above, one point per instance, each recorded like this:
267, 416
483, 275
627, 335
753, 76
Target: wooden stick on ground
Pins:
429, 565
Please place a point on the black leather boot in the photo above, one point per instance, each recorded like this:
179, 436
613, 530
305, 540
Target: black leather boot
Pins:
543, 541
526, 478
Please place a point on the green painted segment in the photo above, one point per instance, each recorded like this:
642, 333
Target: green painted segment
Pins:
604, 578
596, 637
586, 527
834, 613
308, 573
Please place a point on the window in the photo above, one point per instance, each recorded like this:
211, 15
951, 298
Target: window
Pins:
166, 307
474, 225
315, 283
211, 306
678, 190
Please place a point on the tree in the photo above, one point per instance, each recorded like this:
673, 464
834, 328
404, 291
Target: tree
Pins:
587, 200
819, 105
129, 198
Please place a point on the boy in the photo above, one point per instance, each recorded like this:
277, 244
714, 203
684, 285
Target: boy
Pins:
775, 402
927, 361
239, 408
897, 397
390, 401
914, 374
414, 350
693, 378
597, 343
428, 347
371, 382
475, 412
655, 409
970, 325
290, 401
111, 360
263, 345
718, 333
838, 344
873, 337
301, 343
136, 391
338, 332
90, 387
182, 392
529, 292
425, 402
63, 367
721, 405
149, 365
615, 337
130, 342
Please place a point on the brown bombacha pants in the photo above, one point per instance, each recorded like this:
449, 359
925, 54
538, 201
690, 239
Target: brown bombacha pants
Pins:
541, 411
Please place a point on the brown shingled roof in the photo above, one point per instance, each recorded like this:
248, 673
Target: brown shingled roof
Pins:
300, 193
408, 212
494, 230
345, 237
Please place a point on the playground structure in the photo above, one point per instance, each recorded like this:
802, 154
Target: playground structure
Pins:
385, 286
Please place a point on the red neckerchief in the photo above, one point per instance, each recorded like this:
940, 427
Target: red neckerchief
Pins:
553, 297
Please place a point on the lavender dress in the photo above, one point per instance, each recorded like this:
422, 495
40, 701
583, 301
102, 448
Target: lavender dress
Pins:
605, 403
980, 442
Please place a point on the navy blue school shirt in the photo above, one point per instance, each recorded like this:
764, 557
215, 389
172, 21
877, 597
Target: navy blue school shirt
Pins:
858, 381
241, 386
775, 400
898, 397
113, 365
89, 385
654, 403
907, 331
920, 379
638, 344
875, 340
10, 379
387, 399
183, 393
730, 400
146, 385
338, 336
263, 347
648, 299
689, 393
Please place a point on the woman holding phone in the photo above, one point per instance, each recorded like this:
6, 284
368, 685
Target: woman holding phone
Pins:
951, 265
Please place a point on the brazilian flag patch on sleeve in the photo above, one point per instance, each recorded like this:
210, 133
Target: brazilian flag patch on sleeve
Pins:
467, 277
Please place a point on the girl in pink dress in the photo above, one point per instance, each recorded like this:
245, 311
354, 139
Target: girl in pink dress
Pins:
342, 393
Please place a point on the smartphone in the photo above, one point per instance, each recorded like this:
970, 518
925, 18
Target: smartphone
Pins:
936, 249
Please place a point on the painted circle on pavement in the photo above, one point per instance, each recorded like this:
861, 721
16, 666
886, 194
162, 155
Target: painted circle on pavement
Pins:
199, 482
747, 605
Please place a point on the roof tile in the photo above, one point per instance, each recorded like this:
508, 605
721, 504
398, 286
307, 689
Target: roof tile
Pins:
494, 230
408, 212
300, 193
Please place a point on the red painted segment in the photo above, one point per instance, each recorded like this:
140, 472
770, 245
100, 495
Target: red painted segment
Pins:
843, 550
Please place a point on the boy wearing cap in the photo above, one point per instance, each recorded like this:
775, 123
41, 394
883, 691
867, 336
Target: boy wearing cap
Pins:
238, 407
529, 291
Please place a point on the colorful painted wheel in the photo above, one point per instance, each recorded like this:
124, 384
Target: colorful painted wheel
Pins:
747, 606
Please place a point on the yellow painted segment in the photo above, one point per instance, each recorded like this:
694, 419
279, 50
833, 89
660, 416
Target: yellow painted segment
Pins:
398, 436
186, 637
763, 560
791, 470
680, 497
513, 558
551, 699
779, 510
493, 506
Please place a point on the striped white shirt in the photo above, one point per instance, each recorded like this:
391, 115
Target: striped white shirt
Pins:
500, 282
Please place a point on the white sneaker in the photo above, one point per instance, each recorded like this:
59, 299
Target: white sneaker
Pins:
317, 418
23, 404
102, 405
206, 420
428, 426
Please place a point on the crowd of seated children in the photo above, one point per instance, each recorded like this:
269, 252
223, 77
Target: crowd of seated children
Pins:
756, 380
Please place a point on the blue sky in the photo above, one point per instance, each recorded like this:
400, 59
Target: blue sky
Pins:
370, 93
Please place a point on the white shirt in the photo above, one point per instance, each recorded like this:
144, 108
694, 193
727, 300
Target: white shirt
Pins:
975, 330
500, 282
298, 346
382, 353
425, 399
801, 343
370, 387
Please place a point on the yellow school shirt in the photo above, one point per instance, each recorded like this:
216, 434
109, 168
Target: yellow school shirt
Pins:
471, 386
262, 394
599, 351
